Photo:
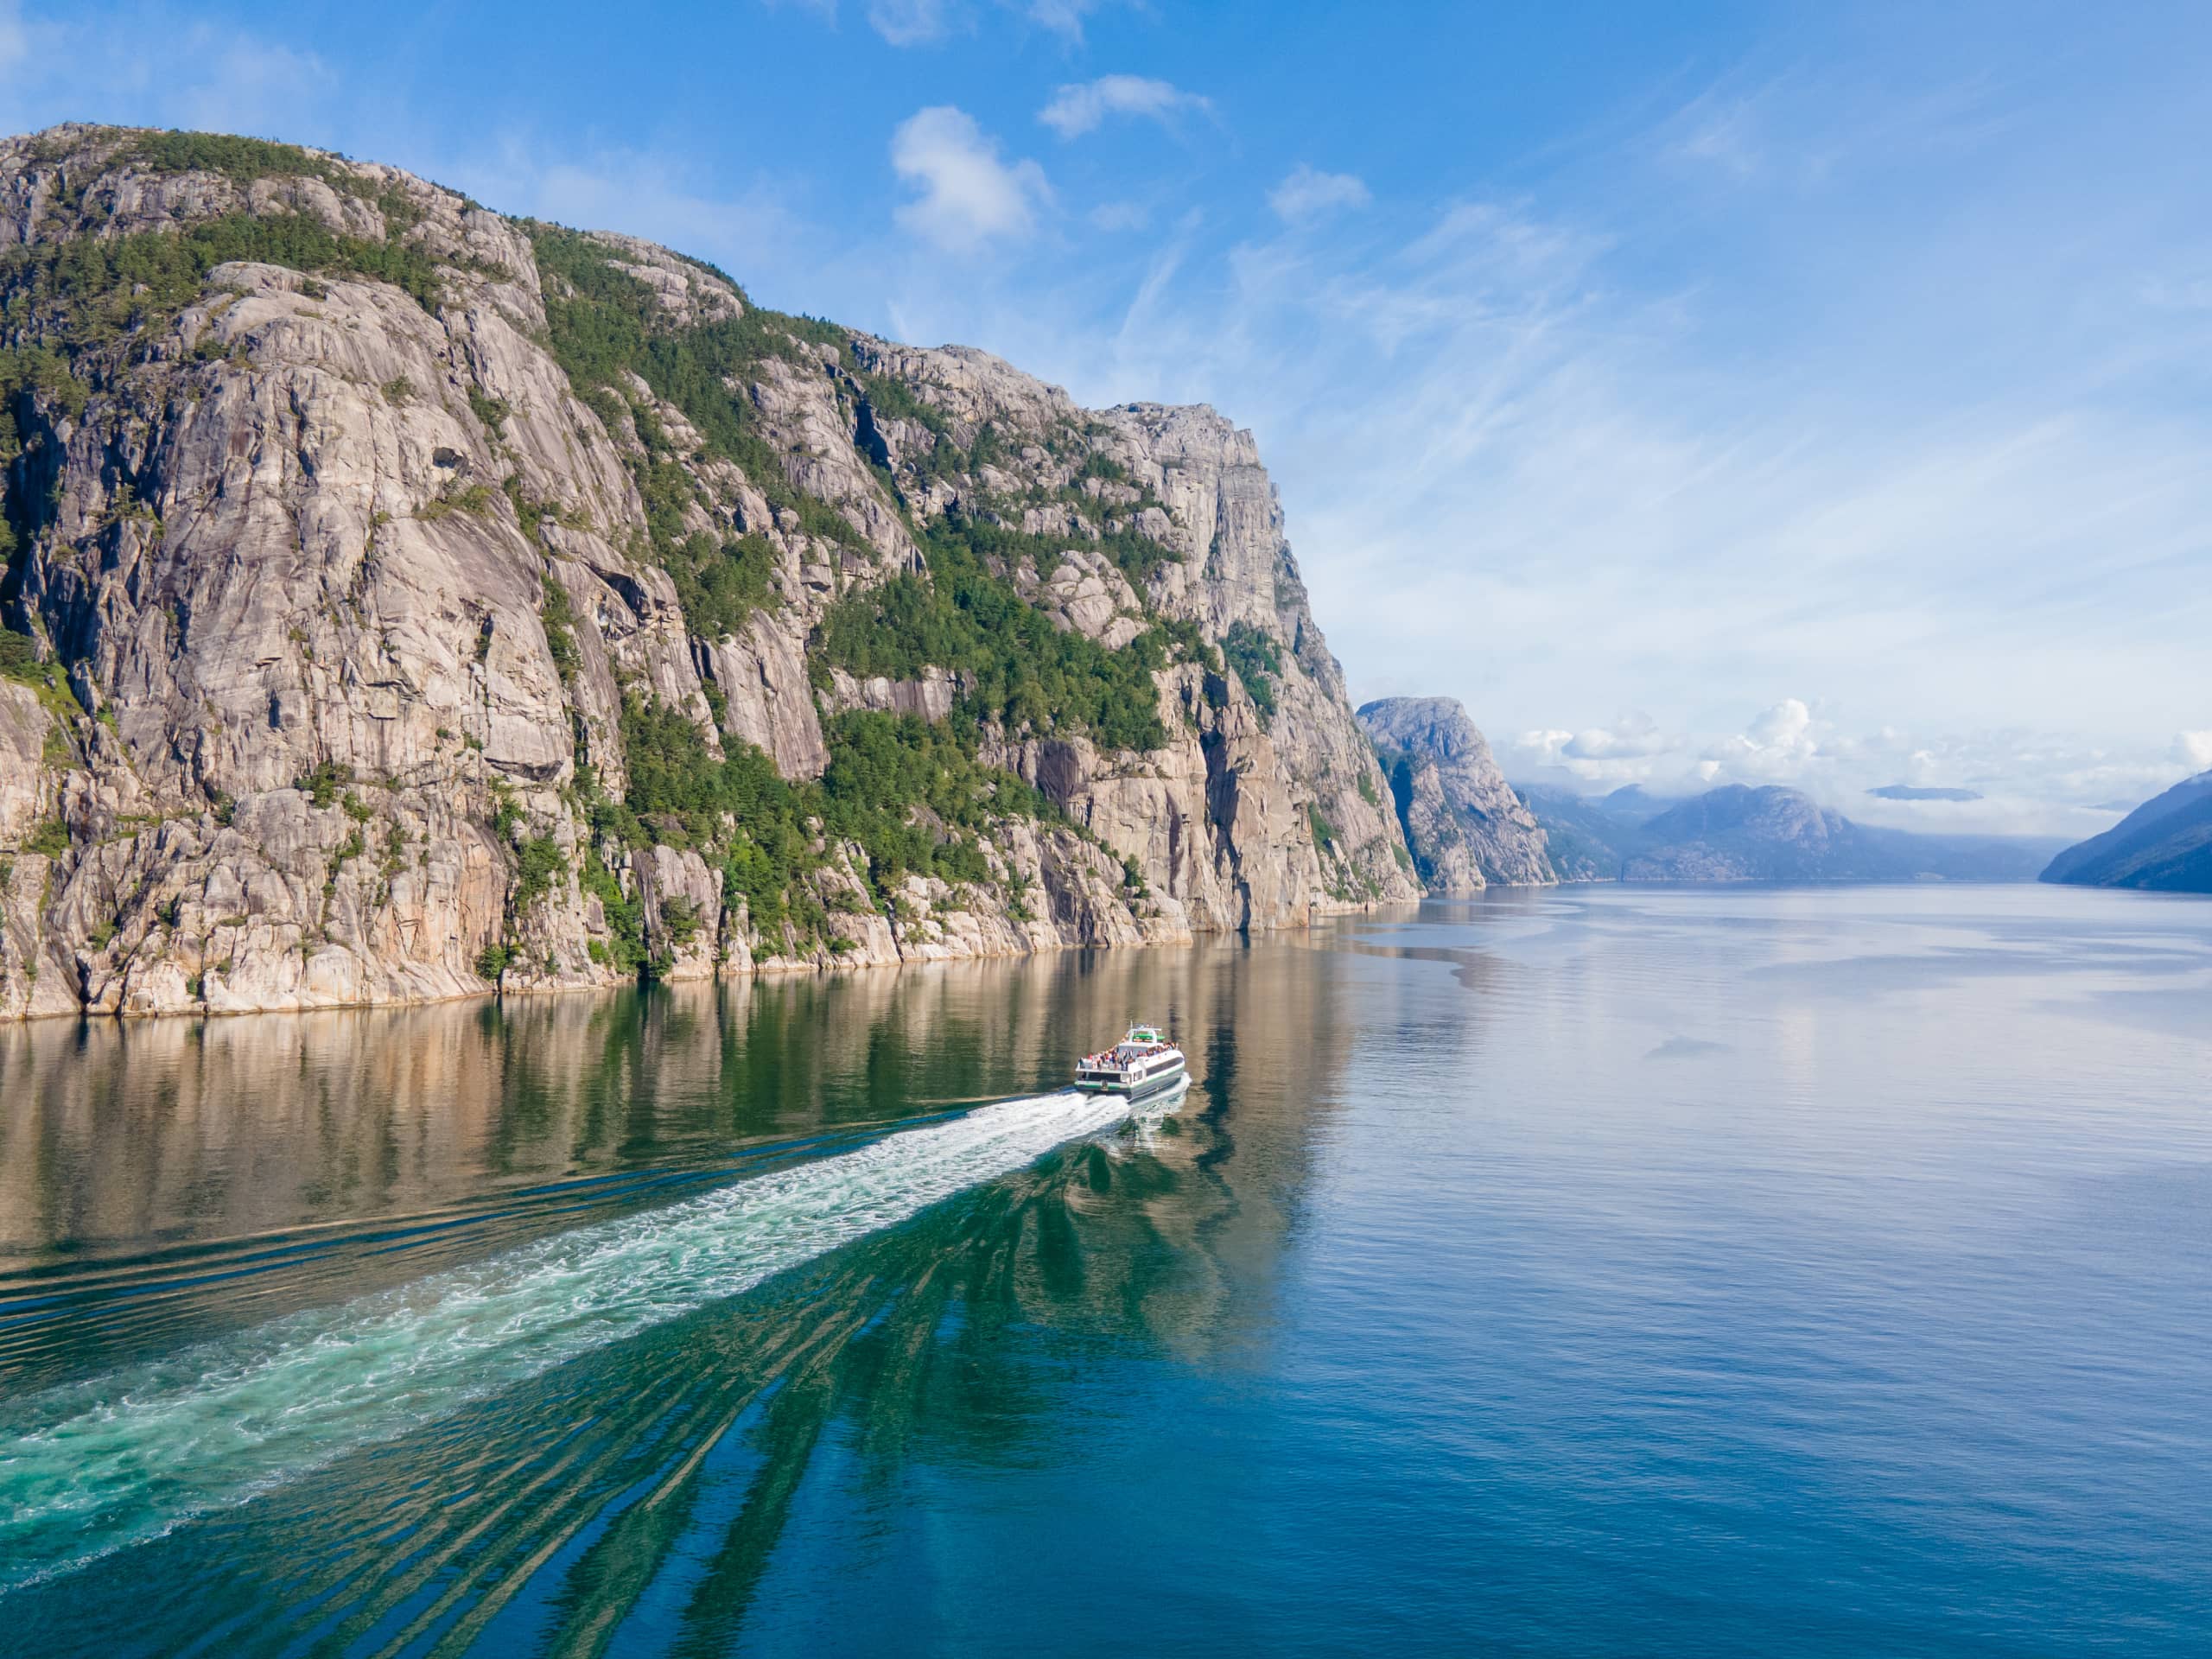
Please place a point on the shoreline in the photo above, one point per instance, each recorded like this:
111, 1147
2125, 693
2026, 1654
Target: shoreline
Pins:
780, 968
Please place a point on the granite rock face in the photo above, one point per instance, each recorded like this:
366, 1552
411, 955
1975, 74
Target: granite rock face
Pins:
341, 595
1466, 828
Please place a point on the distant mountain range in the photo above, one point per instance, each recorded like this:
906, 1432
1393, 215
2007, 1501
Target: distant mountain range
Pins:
1922, 793
2163, 846
1741, 834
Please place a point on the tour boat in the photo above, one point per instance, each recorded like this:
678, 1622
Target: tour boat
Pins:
1143, 1064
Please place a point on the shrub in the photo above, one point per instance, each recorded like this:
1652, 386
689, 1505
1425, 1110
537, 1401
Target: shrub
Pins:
322, 784
625, 923
461, 497
539, 865
720, 585
1025, 670
679, 919
1324, 833
1258, 663
241, 160
506, 811
491, 961
19, 659
88, 293
604, 323
560, 619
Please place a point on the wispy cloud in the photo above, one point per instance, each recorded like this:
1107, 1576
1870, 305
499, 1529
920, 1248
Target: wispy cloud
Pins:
1797, 128
927, 23
152, 69
912, 22
758, 231
1306, 196
15, 44
1121, 216
1517, 476
1719, 131
967, 196
1062, 17
1082, 107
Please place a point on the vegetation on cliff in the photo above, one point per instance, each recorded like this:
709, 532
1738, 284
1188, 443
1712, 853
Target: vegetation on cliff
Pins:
540, 630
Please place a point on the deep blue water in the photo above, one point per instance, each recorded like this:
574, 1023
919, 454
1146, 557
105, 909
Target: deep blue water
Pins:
1610, 1271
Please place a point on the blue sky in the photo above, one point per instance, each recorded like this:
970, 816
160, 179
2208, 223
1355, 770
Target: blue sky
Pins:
1723, 392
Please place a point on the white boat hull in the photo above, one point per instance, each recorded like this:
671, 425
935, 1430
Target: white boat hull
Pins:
1155, 1082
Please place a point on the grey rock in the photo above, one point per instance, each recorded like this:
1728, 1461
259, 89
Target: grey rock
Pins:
301, 541
1465, 825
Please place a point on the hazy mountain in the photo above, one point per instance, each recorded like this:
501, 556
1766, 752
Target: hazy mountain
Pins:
2165, 846
1919, 792
1587, 841
1771, 833
1638, 804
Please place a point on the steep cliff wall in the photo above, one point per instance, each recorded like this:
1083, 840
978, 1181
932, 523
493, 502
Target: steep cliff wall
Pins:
1465, 825
408, 598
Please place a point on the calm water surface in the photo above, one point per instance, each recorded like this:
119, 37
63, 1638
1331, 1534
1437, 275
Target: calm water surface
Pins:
1603, 1271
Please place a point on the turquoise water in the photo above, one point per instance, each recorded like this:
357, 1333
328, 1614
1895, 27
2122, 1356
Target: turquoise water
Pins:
1601, 1272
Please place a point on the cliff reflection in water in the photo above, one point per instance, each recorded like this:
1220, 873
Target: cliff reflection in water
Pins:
165, 1184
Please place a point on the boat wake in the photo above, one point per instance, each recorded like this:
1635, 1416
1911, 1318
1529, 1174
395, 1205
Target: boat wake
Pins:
90, 1467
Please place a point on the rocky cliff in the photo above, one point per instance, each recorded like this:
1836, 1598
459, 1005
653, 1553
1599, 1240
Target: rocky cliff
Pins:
1465, 825
406, 600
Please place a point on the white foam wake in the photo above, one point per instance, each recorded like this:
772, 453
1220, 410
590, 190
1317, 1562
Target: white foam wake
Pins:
94, 1466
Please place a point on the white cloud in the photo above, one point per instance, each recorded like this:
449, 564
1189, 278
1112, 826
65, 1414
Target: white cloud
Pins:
1083, 106
1062, 17
1306, 196
969, 197
1121, 216
2029, 783
910, 22
1631, 750
2194, 750
1777, 746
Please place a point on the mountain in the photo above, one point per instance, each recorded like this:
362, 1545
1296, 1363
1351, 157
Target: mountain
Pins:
1462, 821
406, 598
1637, 804
2164, 845
1740, 834
1587, 842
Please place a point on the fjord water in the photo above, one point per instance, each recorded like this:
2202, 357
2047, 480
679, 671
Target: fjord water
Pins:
1606, 1271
